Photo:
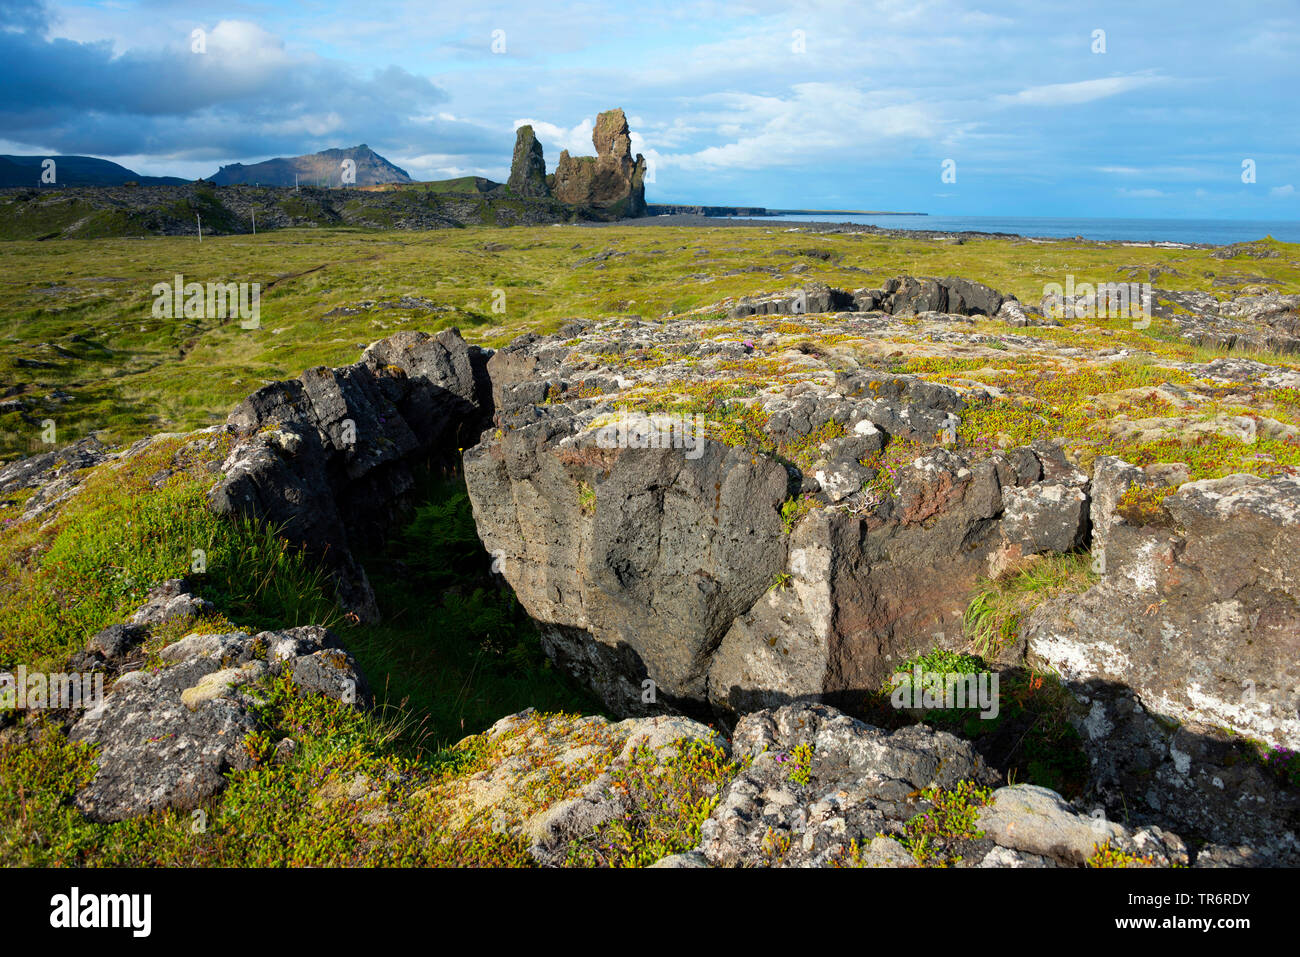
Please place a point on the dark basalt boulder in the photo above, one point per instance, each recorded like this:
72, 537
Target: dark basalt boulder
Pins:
331, 457
167, 736
901, 296
646, 582
820, 788
909, 295
655, 566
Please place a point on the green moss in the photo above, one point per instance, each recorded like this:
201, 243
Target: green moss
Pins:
795, 508
1145, 506
801, 764
1107, 855
666, 806
931, 835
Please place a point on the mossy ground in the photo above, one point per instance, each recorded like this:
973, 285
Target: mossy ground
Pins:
84, 307
82, 311
453, 654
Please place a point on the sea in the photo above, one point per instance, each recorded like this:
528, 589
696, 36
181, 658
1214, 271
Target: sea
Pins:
1211, 231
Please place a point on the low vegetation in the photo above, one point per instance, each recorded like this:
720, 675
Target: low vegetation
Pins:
79, 326
80, 347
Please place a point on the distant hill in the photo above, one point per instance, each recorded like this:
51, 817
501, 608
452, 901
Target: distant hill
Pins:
75, 171
93, 212
316, 169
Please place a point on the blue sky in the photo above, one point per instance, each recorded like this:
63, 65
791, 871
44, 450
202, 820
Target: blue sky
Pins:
853, 105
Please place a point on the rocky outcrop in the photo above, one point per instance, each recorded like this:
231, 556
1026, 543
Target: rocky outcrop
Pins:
1261, 321
167, 735
1032, 826
901, 296
331, 457
1197, 609
866, 592
528, 167
55, 475
631, 590
819, 781
1193, 628
680, 576
533, 753
803, 785
611, 183
909, 296
823, 789
816, 526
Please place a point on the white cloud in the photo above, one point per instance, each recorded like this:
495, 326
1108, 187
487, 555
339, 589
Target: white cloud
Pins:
1082, 91
1282, 192
815, 120
243, 42
426, 166
1162, 172
575, 139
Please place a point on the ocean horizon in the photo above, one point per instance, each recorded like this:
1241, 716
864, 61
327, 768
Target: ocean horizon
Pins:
1211, 231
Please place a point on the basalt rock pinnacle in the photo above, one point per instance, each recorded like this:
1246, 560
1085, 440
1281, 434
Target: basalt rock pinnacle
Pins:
611, 182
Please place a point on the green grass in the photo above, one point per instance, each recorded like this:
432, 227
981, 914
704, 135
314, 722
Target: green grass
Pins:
290, 814
454, 651
667, 804
84, 306
992, 620
454, 646
453, 654
92, 564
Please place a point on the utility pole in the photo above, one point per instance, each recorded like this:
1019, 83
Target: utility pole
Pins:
200, 219
254, 222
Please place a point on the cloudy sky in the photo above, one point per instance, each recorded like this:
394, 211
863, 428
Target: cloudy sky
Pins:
854, 105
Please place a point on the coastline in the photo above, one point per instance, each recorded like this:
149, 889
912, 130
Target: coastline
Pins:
695, 220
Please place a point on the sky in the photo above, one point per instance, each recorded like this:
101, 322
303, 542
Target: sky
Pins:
1008, 107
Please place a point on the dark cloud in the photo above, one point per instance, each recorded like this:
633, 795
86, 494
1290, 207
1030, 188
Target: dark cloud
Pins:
29, 15
244, 96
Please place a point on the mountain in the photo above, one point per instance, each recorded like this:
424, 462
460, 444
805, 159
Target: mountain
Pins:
316, 169
75, 171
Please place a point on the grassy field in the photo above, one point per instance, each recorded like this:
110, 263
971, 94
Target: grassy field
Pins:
79, 344
77, 323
